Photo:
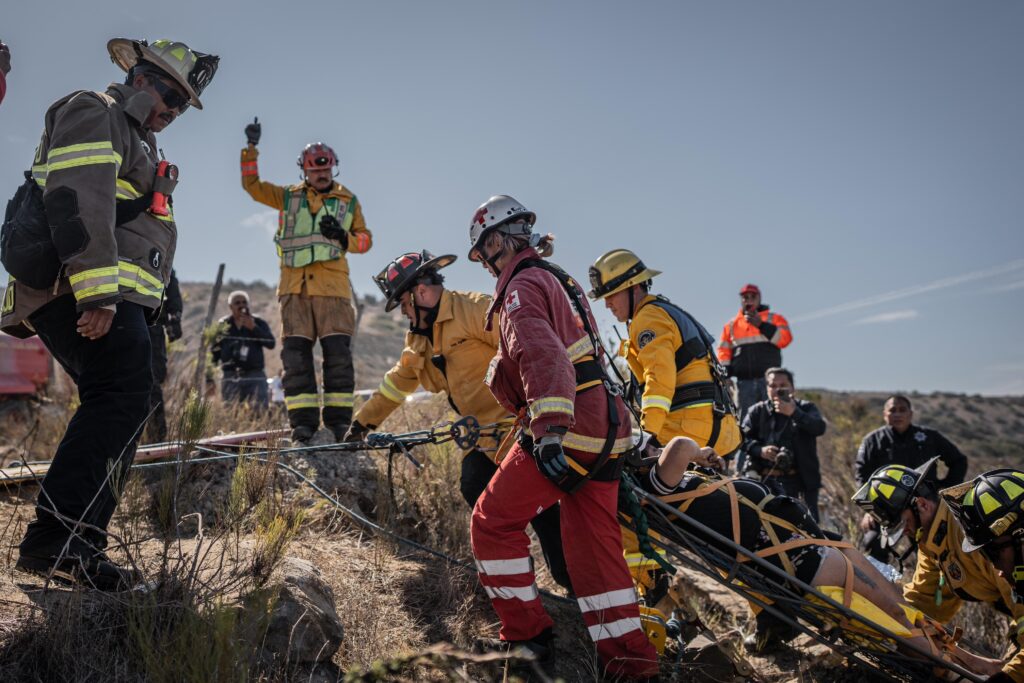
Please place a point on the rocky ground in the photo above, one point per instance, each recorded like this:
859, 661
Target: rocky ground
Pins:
265, 579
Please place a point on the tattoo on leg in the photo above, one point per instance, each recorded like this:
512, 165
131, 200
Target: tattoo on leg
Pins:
864, 577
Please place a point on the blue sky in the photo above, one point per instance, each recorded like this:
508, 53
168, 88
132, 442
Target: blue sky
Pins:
861, 162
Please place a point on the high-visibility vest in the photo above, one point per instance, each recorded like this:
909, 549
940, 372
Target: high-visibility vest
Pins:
298, 238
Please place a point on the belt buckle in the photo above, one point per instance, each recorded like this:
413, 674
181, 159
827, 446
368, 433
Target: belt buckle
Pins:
612, 388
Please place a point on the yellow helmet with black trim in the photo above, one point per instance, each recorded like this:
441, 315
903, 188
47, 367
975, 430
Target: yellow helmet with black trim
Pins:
616, 270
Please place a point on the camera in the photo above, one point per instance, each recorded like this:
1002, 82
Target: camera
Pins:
784, 461
785, 395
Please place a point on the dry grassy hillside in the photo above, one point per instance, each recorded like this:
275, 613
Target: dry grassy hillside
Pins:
209, 620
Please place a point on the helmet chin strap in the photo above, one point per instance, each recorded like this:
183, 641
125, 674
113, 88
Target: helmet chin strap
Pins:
425, 316
492, 260
1017, 577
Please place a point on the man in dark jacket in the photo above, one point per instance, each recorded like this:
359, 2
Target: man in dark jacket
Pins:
900, 442
781, 444
167, 329
106, 199
239, 349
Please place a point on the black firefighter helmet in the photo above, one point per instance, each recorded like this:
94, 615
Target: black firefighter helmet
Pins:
406, 271
890, 491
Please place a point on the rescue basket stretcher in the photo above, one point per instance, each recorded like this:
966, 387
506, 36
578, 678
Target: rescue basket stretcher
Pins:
844, 621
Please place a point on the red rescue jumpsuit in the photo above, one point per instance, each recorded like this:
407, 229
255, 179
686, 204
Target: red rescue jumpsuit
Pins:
541, 336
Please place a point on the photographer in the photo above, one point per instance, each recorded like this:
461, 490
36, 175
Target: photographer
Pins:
782, 443
239, 349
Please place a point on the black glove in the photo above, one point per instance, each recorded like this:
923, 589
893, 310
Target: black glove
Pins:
551, 458
127, 210
332, 230
173, 327
356, 432
253, 131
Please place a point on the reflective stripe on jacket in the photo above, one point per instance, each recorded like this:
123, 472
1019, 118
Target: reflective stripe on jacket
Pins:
541, 335
93, 153
654, 343
467, 349
747, 350
943, 566
319, 277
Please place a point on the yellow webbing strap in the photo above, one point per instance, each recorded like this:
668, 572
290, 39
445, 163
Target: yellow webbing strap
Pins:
768, 521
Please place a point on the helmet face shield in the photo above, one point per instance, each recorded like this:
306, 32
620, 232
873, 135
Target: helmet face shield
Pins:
892, 533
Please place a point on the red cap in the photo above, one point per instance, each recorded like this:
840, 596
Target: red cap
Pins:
750, 289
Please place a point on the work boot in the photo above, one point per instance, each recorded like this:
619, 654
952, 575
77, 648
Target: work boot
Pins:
302, 435
541, 646
339, 431
770, 636
96, 572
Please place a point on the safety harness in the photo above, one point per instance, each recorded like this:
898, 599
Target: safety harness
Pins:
697, 343
589, 374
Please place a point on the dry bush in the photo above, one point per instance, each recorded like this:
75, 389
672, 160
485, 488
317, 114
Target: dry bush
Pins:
207, 610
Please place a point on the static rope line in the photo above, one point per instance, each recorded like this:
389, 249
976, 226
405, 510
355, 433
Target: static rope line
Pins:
756, 595
641, 527
351, 514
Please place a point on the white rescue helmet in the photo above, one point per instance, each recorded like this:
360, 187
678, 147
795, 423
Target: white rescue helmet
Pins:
503, 213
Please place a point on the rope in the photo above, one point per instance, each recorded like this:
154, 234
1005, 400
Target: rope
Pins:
221, 456
641, 528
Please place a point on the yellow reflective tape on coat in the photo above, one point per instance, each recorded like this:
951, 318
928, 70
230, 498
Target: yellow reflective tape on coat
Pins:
580, 348
82, 154
126, 190
662, 402
39, 174
58, 152
388, 389
551, 404
302, 401
337, 399
94, 282
593, 444
141, 274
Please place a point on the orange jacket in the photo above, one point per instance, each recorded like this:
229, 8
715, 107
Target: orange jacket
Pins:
748, 351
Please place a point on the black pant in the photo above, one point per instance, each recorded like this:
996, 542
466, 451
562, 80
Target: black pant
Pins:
792, 486
245, 386
156, 428
114, 378
477, 471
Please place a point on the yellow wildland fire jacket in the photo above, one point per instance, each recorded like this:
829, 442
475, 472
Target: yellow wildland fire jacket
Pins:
93, 155
669, 369
308, 259
946, 577
455, 363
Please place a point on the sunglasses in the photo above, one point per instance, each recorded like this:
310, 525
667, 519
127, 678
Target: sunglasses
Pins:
171, 97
